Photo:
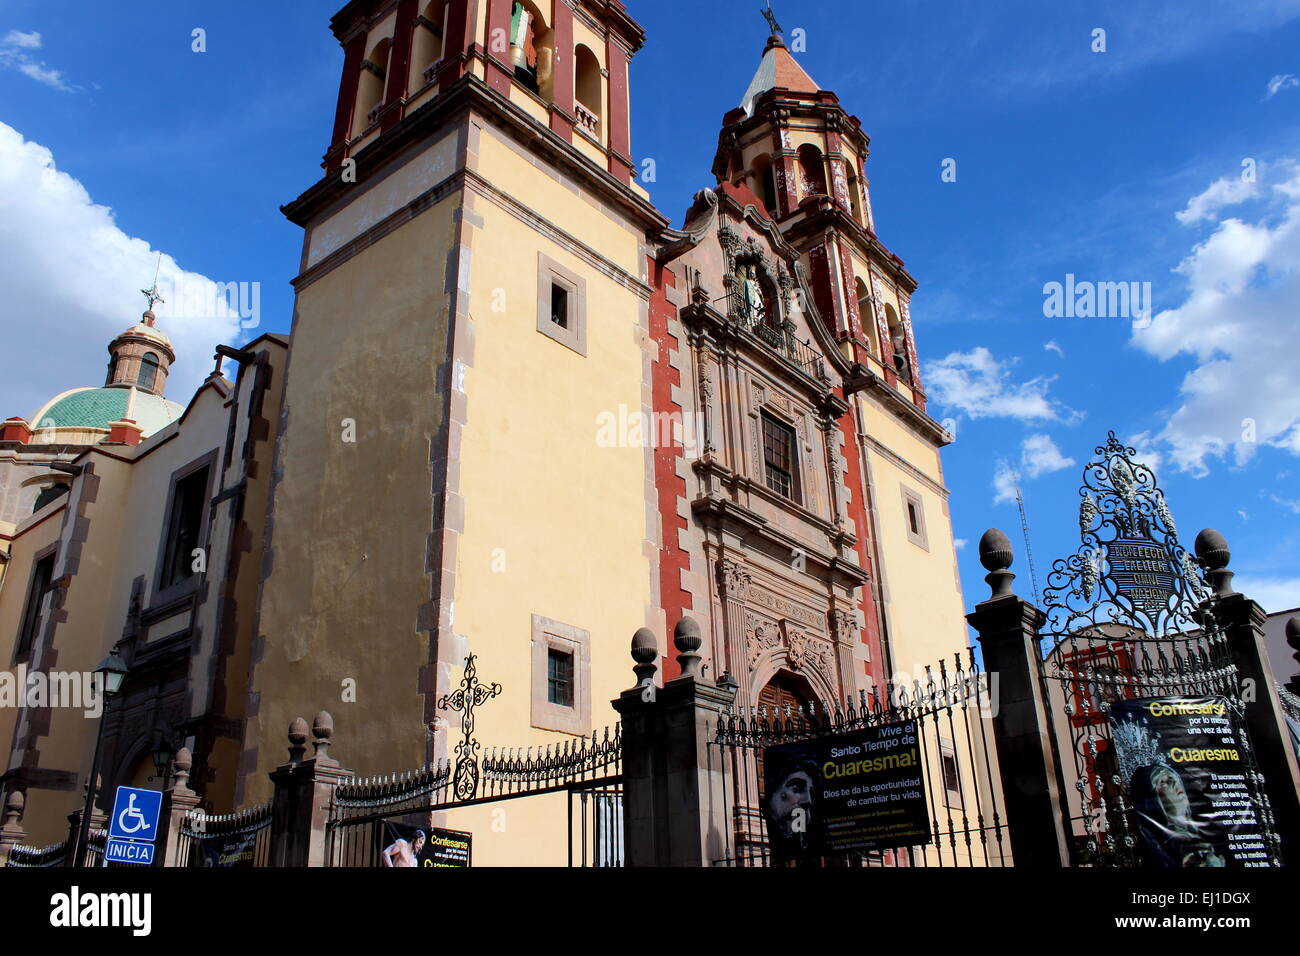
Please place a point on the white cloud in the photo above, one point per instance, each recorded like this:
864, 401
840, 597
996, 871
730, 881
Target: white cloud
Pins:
71, 281
1290, 503
959, 543
1218, 195
24, 41
14, 56
1272, 594
1283, 81
1038, 456
1145, 452
1240, 322
978, 385
1054, 347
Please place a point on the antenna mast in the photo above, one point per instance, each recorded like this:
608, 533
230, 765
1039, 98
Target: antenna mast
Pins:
1029, 551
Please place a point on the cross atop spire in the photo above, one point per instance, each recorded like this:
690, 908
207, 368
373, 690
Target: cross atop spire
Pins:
152, 294
770, 16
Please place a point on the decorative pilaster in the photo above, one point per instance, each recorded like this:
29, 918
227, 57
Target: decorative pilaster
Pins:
734, 579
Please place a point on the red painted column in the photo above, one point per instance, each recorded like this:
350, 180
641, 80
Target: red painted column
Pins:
819, 267
500, 71
562, 108
620, 131
399, 64
353, 53
858, 511
457, 42
674, 561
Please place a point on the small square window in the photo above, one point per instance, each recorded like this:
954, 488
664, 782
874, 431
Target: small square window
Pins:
914, 511
559, 305
559, 678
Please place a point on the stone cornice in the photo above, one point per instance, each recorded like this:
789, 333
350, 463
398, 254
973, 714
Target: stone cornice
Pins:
865, 380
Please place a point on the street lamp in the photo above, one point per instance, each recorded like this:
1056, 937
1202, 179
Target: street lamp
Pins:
111, 672
163, 752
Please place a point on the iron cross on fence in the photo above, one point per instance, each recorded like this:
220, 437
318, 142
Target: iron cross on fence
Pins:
470, 695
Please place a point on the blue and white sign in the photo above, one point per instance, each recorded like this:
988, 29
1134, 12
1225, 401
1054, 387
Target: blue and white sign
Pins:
128, 851
135, 814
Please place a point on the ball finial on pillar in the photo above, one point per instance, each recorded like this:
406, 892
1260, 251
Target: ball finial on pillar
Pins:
996, 556
1212, 549
297, 740
687, 640
645, 652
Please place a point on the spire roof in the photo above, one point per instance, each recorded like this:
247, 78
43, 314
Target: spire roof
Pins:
778, 68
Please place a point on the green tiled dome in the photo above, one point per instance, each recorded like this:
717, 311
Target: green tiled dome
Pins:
96, 407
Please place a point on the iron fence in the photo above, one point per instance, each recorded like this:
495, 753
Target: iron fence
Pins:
29, 857
588, 769
961, 779
238, 839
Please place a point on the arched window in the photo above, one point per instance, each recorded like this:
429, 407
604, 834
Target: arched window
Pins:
587, 90
813, 169
532, 50
898, 336
866, 314
427, 44
148, 371
370, 88
855, 193
112, 369
764, 184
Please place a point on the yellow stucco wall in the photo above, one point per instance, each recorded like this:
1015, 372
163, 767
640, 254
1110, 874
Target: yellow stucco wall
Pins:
351, 520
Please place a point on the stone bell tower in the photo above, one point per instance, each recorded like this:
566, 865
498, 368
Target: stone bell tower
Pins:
794, 146
472, 297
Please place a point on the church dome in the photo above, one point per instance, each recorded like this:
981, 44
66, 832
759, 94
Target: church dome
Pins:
95, 408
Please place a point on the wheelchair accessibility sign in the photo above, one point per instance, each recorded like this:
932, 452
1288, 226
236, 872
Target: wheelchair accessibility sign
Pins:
134, 826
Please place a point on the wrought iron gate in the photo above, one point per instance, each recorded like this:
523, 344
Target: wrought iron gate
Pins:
587, 770
1128, 617
962, 787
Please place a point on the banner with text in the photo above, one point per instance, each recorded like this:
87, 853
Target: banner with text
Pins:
424, 846
1181, 762
863, 790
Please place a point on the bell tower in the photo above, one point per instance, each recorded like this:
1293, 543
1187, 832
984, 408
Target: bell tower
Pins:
805, 158
472, 298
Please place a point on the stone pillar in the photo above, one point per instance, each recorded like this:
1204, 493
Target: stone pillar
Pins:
11, 832
733, 581
1032, 785
177, 801
304, 794
98, 821
1243, 623
673, 787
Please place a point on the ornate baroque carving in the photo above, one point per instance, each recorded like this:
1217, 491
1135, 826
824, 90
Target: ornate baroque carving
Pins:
734, 579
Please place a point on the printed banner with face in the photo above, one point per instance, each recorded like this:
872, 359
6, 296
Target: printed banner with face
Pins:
231, 851
1181, 762
863, 790
424, 846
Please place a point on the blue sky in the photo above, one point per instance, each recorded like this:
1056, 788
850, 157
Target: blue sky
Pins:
1117, 166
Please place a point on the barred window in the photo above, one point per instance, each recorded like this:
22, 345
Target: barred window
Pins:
559, 678
779, 458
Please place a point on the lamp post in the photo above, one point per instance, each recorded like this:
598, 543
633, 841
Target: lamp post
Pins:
163, 752
111, 672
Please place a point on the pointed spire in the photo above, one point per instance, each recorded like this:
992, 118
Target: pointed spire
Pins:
778, 68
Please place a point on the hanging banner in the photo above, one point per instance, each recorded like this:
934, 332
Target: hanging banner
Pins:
863, 790
1181, 762
229, 851
424, 846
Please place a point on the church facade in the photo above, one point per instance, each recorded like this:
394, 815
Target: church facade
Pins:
518, 416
